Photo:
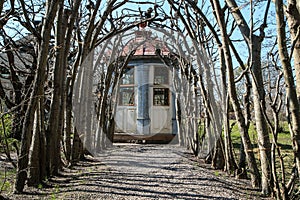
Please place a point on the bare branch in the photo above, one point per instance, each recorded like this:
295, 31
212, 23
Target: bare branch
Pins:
294, 42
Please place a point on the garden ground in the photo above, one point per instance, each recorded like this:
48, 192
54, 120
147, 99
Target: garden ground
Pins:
129, 171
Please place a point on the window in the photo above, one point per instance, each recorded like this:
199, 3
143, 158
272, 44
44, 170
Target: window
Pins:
126, 96
161, 75
128, 77
160, 96
4, 71
126, 92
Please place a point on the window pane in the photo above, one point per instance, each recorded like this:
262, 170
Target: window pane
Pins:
126, 96
161, 75
128, 77
160, 96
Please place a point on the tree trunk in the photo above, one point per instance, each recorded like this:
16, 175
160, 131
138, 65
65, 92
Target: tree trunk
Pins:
87, 95
241, 172
292, 104
37, 93
210, 139
42, 142
53, 127
293, 19
68, 87
80, 110
178, 87
255, 177
254, 44
34, 168
77, 148
67, 135
230, 163
260, 121
218, 161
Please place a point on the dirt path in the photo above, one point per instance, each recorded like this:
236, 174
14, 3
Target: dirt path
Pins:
143, 172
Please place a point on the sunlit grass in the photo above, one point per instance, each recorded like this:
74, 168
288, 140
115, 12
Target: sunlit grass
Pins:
284, 142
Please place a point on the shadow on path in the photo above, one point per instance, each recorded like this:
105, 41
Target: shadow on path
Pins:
143, 172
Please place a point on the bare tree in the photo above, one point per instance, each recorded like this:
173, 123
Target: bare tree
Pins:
235, 102
57, 77
293, 19
254, 44
37, 93
292, 101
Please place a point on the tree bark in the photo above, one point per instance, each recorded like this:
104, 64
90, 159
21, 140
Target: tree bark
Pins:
53, 132
292, 104
260, 121
34, 177
255, 176
77, 149
69, 81
293, 19
36, 94
230, 163
254, 44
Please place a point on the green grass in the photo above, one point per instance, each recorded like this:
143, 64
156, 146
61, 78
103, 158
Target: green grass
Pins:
284, 141
284, 138
236, 137
5, 134
6, 186
7, 174
217, 173
7, 124
6, 179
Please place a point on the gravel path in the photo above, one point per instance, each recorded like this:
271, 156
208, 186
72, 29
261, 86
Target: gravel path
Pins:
143, 172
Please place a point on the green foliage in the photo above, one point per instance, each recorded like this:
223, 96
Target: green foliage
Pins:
217, 173
53, 197
40, 186
6, 179
6, 174
56, 190
6, 186
5, 133
7, 123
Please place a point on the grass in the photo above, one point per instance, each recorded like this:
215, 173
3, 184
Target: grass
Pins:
284, 141
236, 138
7, 176
7, 123
284, 138
217, 173
7, 171
6, 186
